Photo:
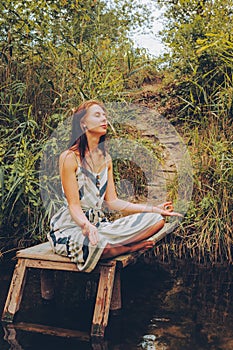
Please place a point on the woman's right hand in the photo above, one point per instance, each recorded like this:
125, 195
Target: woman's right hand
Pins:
91, 231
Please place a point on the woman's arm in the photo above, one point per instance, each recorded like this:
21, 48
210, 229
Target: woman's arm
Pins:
114, 203
68, 166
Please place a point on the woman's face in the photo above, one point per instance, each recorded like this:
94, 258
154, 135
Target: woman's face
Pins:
95, 120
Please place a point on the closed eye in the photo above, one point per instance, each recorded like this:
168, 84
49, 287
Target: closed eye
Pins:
99, 114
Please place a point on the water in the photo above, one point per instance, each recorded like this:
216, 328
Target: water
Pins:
177, 306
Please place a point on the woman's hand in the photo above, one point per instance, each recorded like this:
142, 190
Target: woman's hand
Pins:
171, 213
91, 231
167, 209
166, 206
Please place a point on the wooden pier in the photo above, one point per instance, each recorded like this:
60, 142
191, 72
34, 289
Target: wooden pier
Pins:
42, 257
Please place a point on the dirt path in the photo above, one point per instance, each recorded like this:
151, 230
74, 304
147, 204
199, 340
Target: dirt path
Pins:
161, 132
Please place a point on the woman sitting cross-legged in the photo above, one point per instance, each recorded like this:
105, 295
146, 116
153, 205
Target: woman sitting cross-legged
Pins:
80, 230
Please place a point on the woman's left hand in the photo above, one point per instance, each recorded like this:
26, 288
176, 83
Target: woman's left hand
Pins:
167, 209
166, 206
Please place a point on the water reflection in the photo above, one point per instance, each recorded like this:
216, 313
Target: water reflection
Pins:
176, 306
10, 337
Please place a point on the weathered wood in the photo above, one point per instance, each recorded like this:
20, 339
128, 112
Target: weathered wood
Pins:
42, 257
116, 293
47, 284
15, 292
128, 259
42, 251
51, 265
103, 300
10, 331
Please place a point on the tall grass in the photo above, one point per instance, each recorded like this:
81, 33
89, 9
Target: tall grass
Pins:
35, 95
204, 117
208, 226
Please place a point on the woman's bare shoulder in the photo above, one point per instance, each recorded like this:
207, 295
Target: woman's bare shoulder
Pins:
108, 159
69, 158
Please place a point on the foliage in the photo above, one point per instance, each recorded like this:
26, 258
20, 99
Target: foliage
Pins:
201, 59
53, 55
200, 42
206, 232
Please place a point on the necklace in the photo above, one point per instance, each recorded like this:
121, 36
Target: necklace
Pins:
97, 161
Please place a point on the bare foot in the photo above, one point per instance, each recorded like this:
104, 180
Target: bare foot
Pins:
111, 251
144, 245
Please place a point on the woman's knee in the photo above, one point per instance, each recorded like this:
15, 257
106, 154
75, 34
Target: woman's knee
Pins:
162, 222
159, 225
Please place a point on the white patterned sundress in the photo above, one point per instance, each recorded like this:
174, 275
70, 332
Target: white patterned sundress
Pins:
66, 236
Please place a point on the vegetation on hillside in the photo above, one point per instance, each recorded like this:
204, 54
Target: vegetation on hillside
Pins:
54, 54
199, 35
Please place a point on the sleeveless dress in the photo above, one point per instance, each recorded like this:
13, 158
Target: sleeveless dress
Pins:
66, 236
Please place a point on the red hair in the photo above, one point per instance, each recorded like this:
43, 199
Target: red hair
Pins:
78, 140
87, 104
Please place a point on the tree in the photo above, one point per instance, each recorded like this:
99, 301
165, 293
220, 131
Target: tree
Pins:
199, 35
53, 54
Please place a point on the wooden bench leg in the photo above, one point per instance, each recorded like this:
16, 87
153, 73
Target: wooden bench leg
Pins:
103, 300
15, 292
47, 284
116, 293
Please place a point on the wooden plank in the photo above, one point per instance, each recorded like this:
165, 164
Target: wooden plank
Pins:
56, 265
116, 293
44, 252
128, 259
48, 330
103, 300
41, 251
15, 292
52, 265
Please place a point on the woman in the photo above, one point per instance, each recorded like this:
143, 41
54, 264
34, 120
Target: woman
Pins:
79, 229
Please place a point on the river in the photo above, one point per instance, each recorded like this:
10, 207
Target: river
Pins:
173, 306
